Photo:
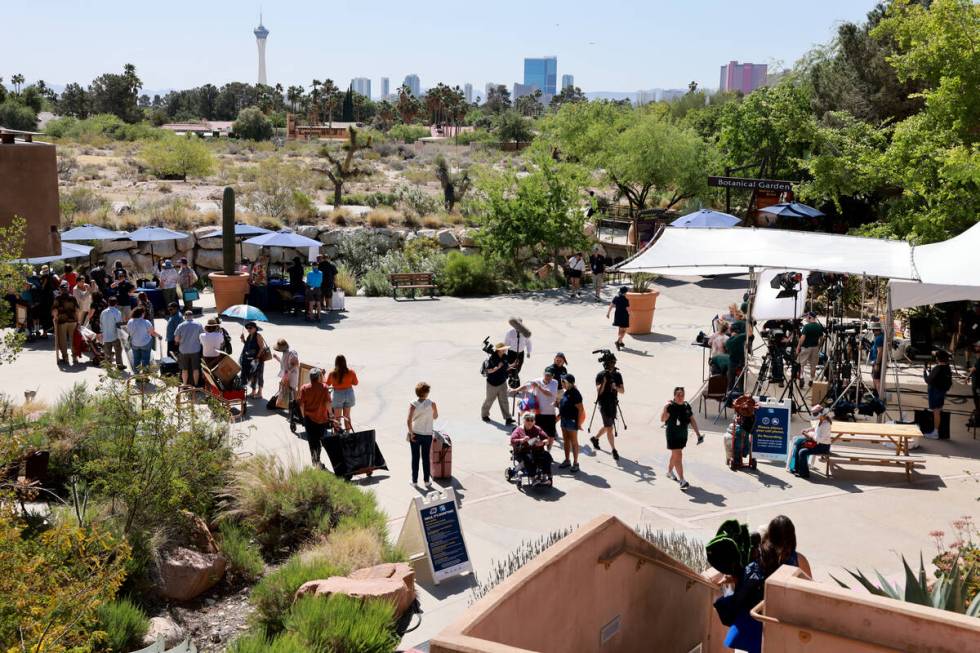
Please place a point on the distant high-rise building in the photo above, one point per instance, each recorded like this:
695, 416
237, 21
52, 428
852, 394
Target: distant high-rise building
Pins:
567, 81
468, 92
658, 95
744, 77
261, 34
414, 84
520, 90
542, 73
361, 85
487, 89
385, 88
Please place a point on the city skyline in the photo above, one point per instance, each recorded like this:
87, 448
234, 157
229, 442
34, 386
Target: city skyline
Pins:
172, 53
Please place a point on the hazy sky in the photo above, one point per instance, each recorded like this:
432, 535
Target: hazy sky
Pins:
611, 45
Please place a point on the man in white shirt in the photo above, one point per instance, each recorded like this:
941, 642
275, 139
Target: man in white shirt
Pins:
110, 319
518, 341
545, 392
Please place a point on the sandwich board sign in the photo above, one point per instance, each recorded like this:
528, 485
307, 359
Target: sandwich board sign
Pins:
432, 532
770, 436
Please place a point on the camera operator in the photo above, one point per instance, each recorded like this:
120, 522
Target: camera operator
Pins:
608, 386
495, 369
808, 348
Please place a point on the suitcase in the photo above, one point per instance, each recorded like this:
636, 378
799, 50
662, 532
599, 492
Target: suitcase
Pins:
924, 419
441, 455
168, 366
354, 452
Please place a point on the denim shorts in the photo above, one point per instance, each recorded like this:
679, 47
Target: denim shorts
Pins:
343, 398
569, 424
937, 398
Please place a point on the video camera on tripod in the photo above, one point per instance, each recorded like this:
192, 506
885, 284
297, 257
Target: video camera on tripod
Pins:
513, 375
606, 358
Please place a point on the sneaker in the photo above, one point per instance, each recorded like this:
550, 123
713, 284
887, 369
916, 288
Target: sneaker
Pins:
574, 468
931, 435
671, 476
509, 421
685, 485
700, 439
615, 455
486, 419
564, 465
595, 443
428, 485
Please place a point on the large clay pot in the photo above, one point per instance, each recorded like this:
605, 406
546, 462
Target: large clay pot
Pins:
229, 289
642, 306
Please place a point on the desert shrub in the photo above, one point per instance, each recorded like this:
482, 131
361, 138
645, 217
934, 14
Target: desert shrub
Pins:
419, 176
81, 200
361, 251
67, 165
273, 595
252, 124
466, 275
528, 550
433, 222
679, 546
342, 623
287, 506
260, 643
475, 136
302, 207
100, 127
17, 115
375, 283
345, 280
413, 198
124, 624
243, 554
373, 199
177, 157
275, 186
380, 218
349, 548
408, 133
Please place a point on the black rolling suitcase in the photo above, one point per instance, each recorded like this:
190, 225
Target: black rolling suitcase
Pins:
354, 452
168, 366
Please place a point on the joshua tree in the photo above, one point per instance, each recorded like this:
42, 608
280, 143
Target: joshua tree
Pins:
454, 186
344, 169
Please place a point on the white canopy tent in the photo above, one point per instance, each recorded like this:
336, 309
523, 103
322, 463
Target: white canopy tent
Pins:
770, 307
948, 271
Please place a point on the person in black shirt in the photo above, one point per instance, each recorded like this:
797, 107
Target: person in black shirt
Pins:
571, 412
296, 274
608, 386
677, 415
99, 276
495, 369
597, 264
621, 320
329, 271
940, 380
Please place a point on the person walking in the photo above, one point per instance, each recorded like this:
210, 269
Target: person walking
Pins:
314, 407
495, 369
676, 416
314, 294
169, 278
110, 319
288, 373
188, 339
174, 318
186, 279
597, 264
421, 414
64, 315
939, 380
254, 354
608, 387
808, 348
82, 292
571, 411
141, 335
576, 266
621, 319
342, 379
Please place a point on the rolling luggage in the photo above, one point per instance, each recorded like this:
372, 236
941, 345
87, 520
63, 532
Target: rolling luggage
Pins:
441, 455
354, 452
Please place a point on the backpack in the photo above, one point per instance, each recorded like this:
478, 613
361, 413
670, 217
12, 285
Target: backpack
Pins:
226, 345
484, 366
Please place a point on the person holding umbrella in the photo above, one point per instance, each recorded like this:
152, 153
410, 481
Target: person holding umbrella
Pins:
254, 354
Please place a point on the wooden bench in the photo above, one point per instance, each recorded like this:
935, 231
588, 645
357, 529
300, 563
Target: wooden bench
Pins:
412, 281
838, 456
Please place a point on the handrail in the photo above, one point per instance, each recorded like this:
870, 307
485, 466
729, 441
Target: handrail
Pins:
643, 557
757, 614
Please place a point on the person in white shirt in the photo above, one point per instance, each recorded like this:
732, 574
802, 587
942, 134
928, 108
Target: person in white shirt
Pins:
814, 442
421, 414
168, 281
518, 341
211, 341
110, 319
545, 392
718, 339
576, 267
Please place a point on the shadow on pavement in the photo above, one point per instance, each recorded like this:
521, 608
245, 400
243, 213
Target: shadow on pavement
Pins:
700, 495
544, 493
643, 473
449, 587
655, 337
723, 283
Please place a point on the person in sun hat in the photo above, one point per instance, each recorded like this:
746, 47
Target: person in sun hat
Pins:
815, 441
495, 370
254, 354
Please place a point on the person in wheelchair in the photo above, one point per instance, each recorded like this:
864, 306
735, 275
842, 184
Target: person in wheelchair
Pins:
528, 445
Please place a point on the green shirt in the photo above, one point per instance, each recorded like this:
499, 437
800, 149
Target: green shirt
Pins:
811, 332
735, 346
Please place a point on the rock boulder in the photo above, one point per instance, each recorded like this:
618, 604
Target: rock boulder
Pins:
186, 573
210, 259
447, 239
389, 582
124, 257
115, 245
163, 628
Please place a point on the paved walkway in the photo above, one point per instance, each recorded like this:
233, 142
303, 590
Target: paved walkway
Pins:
860, 518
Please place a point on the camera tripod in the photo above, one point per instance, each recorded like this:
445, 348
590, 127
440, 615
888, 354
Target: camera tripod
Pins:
619, 417
790, 386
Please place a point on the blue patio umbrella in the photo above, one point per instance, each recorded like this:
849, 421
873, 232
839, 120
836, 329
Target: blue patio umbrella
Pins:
792, 210
241, 231
245, 312
283, 238
68, 250
92, 232
154, 235
703, 218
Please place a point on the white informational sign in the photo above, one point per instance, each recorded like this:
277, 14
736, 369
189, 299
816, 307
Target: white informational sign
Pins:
770, 435
767, 306
432, 531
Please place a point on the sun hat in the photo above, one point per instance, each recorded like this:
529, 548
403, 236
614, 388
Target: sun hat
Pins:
212, 325
252, 325
500, 346
282, 345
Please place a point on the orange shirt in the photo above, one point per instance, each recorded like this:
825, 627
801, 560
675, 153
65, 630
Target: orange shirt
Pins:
348, 382
315, 400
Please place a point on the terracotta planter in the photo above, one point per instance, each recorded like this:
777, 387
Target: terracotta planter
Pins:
642, 306
228, 289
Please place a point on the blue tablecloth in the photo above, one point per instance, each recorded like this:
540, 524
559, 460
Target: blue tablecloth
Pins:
155, 295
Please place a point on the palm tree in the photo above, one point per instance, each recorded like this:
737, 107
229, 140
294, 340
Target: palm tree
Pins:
17, 80
315, 100
331, 97
408, 107
294, 94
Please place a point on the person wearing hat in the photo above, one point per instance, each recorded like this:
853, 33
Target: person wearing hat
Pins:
211, 341
64, 315
528, 441
518, 341
255, 353
545, 392
186, 278
188, 339
815, 441
808, 348
314, 406
169, 278
288, 373
621, 319
495, 369
571, 412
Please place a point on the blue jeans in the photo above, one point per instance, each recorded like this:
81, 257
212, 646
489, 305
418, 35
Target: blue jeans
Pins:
421, 447
141, 358
802, 455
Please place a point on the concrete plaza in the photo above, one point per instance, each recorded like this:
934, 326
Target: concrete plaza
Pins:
861, 518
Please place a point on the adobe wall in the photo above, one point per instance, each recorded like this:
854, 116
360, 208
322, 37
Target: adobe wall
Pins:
29, 189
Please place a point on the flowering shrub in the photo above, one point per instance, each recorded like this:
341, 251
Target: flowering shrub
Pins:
965, 547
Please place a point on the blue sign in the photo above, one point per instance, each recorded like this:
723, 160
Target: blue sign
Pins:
770, 437
444, 539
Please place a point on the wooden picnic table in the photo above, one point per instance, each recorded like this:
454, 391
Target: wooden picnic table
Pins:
870, 432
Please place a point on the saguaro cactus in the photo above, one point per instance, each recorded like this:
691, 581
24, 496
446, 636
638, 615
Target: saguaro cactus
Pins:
228, 231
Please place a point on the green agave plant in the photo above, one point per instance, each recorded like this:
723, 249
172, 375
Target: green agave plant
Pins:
946, 594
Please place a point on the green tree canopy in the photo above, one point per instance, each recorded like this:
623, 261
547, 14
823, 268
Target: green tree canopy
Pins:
176, 157
253, 125
512, 127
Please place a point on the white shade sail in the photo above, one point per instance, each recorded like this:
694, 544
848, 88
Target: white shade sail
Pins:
685, 251
949, 272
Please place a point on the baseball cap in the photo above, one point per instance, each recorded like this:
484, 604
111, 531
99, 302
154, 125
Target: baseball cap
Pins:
550, 370
570, 378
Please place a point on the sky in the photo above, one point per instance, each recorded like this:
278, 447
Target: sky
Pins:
611, 45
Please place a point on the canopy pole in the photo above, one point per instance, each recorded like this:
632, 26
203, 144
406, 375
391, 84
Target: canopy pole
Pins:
885, 353
753, 282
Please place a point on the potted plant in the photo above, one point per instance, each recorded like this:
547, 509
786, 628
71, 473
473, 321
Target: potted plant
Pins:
643, 302
230, 285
